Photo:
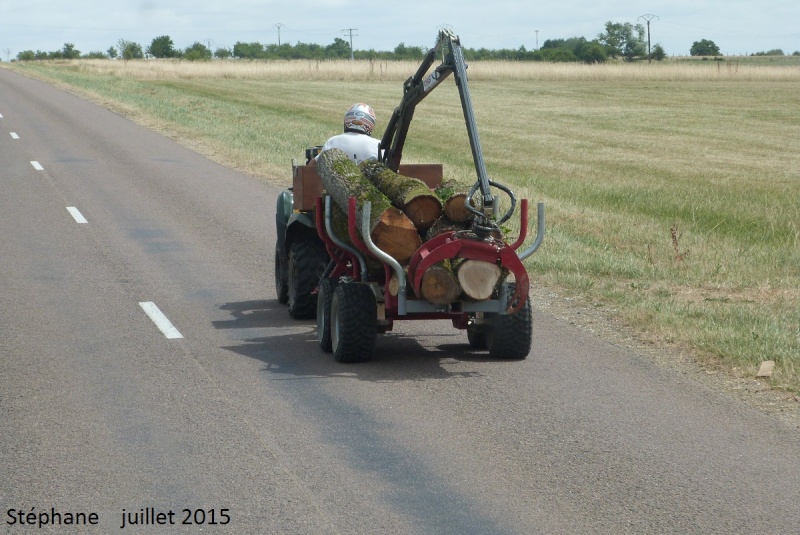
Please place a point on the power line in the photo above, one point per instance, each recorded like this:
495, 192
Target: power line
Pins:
350, 31
648, 18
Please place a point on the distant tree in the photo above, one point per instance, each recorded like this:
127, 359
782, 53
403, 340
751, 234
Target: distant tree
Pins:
112, 52
26, 55
555, 55
704, 47
70, 52
338, 49
370, 54
658, 53
573, 43
95, 54
572, 49
130, 50
774, 52
796, 53
635, 45
197, 52
624, 39
162, 47
222, 53
284, 51
248, 50
480, 54
402, 51
592, 52
300, 50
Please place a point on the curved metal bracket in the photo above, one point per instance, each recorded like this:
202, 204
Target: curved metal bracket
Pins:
366, 210
341, 244
539, 233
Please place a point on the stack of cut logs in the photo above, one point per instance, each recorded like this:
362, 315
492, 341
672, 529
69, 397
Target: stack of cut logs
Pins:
405, 209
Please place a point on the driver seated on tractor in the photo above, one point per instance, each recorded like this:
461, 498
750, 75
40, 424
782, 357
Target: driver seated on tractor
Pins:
356, 141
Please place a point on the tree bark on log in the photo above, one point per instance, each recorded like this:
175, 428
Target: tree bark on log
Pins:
454, 199
409, 194
391, 230
440, 285
441, 226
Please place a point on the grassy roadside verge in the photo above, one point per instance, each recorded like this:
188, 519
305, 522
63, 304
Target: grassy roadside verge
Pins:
673, 194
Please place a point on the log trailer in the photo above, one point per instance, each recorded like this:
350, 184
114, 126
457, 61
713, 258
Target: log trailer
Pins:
321, 273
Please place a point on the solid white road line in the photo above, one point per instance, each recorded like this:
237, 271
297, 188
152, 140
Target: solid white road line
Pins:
37, 166
160, 320
14, 135
76, 214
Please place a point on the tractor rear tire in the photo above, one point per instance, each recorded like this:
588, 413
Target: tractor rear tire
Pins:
354, 322
281, 279
511, 335
307, 262
324, 302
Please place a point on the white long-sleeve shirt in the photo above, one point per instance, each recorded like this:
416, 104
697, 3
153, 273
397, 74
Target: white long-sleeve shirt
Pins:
358, 147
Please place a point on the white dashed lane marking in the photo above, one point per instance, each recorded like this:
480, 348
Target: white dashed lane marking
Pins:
14, 135
76, 214
160, 320
36, 165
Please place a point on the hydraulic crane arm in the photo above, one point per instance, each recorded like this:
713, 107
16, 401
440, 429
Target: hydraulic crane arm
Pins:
415, 89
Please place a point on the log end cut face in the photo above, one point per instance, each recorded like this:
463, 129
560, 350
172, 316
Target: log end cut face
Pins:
395, 234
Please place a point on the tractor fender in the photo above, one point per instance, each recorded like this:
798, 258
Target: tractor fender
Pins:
283, 211
301, 225
284, 208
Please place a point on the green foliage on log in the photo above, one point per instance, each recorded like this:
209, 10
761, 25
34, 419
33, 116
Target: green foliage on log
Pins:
453, 196
400, 189
342, 179
389, 228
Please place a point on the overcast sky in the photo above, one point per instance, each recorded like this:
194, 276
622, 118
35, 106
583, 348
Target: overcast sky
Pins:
736, 26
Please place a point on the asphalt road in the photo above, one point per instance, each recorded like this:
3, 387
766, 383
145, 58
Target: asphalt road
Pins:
243, 416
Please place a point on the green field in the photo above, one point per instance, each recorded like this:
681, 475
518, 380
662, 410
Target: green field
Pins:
672, 191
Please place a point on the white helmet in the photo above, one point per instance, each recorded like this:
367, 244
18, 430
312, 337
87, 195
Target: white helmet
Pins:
359, 118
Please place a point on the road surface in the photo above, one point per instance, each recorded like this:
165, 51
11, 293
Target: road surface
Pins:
224, 412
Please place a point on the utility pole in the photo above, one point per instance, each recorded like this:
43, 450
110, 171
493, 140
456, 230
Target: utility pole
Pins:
537, 39
350, 31
648, 18
279, 26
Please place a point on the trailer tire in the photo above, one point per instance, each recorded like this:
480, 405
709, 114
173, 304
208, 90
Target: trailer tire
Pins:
307, 262
511, 335
324, 302
281, 279
476, 338
353, 322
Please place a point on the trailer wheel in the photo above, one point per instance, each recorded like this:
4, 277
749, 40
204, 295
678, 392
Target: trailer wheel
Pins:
307, 262
476, 338
324, 302
281, 279
353, 322
511, 335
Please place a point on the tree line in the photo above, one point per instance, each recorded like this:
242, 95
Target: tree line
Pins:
619, 40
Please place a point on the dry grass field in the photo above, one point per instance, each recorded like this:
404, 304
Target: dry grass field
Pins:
672, 190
